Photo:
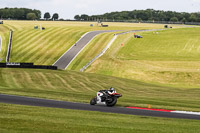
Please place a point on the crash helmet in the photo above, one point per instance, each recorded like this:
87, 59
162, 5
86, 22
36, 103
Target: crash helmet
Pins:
112, 89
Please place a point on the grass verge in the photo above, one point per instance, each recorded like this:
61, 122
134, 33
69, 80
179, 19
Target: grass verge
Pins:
170, 57
45, 47
4, 32
21, 119
81, 87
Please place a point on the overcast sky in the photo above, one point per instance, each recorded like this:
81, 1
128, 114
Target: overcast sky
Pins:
67, 9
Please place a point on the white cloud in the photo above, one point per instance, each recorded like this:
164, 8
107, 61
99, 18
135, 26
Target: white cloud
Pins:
196, 1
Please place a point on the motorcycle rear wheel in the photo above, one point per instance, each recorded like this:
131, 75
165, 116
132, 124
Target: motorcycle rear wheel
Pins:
93, 101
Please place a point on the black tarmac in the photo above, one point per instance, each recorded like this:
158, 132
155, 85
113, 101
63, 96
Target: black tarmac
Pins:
68, 57
11, 99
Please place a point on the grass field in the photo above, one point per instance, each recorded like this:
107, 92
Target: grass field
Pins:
160, 70
21, 119
171, 57
45, 47
91, 50
4, 33
81, 87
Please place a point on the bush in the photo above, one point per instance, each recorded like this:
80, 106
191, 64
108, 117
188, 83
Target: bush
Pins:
31, 16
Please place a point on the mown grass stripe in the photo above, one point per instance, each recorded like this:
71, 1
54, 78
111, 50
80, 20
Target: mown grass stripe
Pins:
52, 47
94, 48
66, 85
1, 43
21, 35
45, 80
43, 48
79, 83
20, 47
4, 36
13, 27
11, 79
30, 81
30, 47
38, 80
57, 46
30, 39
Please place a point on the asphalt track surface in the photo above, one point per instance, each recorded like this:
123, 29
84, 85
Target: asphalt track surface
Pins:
67, 57
11, 99
64, 61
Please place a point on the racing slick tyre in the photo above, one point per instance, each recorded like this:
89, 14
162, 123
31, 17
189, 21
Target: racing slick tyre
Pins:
112, 102
93, 101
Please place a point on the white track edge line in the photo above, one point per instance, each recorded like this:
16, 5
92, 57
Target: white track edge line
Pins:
81, 51
84, 47
100, 54
116, 35
186, 112
71, 47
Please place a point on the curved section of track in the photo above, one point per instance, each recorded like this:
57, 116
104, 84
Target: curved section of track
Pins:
67, 57
10, 99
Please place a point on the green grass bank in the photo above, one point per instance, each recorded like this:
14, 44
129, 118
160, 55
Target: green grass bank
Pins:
81, 87
22, 119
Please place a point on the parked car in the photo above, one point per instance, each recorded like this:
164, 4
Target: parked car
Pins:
138, 36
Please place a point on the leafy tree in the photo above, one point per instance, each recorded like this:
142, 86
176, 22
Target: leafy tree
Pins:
37, 13
55, 16
31, 16
149, 14
47, 15
193, 18
77, 17
174, 19
84, 17
18, 13
183, 20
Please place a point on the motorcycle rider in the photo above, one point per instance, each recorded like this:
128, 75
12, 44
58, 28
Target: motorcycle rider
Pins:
111, 91
103, 94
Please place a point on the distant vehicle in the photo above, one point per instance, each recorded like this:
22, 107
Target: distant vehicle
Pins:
35, 27
167, 26
105, 97
138, 36
102, 25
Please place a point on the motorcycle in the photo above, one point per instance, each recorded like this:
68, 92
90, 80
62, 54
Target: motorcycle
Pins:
103, 97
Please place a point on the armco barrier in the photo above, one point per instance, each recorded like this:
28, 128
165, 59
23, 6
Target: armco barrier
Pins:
26, 65
9, 46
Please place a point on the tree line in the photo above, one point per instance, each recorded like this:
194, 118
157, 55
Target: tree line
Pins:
19, 13
25, 14
47, 16
143, 15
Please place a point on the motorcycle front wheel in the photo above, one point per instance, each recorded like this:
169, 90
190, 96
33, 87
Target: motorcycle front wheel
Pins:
112, 102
